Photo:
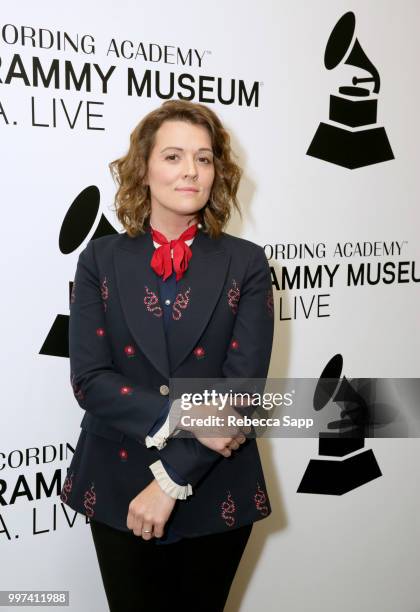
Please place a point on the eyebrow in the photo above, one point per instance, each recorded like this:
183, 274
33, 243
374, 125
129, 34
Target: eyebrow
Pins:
181, 149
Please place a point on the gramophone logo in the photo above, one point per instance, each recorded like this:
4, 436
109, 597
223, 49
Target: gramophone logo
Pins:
344, 462
352, 140
78, 222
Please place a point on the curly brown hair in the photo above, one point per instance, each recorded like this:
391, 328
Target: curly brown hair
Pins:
132, 199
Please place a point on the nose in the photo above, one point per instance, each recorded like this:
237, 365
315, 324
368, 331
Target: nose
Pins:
190, 168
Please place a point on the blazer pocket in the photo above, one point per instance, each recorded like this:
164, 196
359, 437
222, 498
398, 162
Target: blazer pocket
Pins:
98, 427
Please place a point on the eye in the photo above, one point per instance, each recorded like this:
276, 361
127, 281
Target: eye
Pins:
172, 157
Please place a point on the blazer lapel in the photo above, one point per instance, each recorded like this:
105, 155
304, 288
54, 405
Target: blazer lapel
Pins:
196, 297
197, 294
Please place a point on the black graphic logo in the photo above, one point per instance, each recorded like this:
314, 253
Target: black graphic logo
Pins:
78, 222
336, 476
353, 140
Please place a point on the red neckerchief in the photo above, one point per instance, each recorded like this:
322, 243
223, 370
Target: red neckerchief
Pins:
161, 261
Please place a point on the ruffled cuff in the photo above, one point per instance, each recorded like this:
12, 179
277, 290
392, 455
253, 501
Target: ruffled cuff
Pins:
166, 483
168, 428
159, 438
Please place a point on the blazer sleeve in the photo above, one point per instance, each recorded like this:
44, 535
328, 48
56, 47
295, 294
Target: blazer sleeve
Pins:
253, 335
98, 388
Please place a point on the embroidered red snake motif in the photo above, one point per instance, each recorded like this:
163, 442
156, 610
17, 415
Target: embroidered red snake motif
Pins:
228, 508
233, 296
104, 291
90, 501
67, 487
151, 302
260, 501
78, 393
181, 301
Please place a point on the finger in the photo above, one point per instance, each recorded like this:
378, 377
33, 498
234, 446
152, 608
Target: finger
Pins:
136, 527
158, 530
133, 522
129, 521
234, 445
147, 531
226, 452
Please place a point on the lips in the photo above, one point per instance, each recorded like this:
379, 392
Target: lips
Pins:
187, 189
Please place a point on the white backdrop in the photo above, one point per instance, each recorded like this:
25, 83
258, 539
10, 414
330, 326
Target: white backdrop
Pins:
358, 551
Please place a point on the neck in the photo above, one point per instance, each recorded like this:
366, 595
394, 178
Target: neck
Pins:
172, 227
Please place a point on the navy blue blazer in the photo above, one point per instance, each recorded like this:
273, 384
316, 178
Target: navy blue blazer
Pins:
121, 360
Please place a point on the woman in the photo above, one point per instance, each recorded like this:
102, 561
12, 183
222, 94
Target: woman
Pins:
170, 508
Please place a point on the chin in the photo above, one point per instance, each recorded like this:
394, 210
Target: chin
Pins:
187, 209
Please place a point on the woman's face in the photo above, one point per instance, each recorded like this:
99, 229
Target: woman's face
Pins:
180, 168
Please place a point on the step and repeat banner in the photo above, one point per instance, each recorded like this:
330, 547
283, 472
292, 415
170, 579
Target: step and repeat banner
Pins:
321, 102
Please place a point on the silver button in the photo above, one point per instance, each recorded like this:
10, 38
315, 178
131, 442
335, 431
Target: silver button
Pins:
164, 389
167, 302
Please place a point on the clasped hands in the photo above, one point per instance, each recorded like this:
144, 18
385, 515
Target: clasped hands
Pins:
223, 438
149, 511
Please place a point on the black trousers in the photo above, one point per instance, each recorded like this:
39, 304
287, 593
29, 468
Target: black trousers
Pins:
192, 574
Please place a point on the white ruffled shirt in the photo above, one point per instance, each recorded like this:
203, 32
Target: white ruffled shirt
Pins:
159, 439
